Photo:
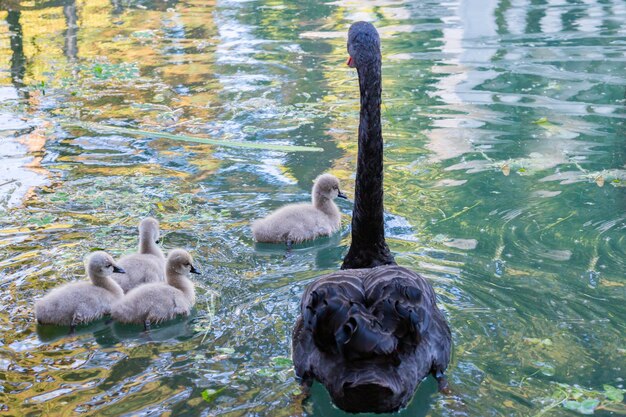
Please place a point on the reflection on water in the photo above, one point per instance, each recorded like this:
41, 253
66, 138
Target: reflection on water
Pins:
505, 175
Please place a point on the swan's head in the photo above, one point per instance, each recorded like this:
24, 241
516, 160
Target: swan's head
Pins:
179, 262
149, 229
363, 45
327, 187
101, 264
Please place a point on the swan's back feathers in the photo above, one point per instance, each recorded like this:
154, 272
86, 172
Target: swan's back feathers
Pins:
397, 300
334, 312
325, 308
363, 337
367, 328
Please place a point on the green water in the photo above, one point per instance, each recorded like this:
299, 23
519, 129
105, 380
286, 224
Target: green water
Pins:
504, 124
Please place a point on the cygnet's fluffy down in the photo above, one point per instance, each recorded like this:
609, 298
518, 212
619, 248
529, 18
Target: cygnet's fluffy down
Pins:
148, 265
160, 301
82, 302
296, 223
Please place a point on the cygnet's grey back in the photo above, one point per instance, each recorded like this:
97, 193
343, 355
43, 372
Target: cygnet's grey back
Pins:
82, 301
146, 266
157, 302
299, 222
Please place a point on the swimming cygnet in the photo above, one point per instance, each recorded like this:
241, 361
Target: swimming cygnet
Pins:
160, 301
83, 301
148, 265
295, 223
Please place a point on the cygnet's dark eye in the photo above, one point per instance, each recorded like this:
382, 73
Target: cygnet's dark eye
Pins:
109, 266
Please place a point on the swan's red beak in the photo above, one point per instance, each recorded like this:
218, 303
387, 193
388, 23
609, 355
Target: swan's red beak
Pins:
350, 62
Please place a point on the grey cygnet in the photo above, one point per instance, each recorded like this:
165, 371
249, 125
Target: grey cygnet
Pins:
81, 302
295, 223
148, 265
160, 301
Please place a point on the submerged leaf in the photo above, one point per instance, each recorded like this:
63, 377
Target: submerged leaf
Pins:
144, 34
589, 406
43, 221
506, 170
584, 407
538, 342
210, 394
613, 394
570, 405
226, 350
194, 139
542, 121
600, 181
265, 372
282, 362
547, 369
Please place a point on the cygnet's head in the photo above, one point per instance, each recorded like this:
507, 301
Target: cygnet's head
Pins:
149, 229
180, 262
101, 264
327, 187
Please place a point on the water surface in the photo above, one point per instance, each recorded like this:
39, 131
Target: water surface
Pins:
504, 126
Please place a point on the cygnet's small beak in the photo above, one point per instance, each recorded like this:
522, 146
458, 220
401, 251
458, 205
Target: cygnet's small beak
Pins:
118, 270
342, 195
193, 270
350, 62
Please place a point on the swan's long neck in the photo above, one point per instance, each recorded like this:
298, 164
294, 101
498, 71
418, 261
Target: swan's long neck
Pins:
148, 246
368, 248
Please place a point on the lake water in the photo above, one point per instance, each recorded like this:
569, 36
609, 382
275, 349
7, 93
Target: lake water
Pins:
504, 126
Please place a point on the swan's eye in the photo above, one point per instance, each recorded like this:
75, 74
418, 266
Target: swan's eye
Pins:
109, 266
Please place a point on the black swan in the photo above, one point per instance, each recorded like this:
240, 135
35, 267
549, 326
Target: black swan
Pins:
371, 332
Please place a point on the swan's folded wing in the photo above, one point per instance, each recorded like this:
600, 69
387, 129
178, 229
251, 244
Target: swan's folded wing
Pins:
361, 336
326, 306
334, 310
324, 314
395, 296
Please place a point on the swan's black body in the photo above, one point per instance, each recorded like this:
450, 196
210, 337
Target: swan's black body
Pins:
372, 331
